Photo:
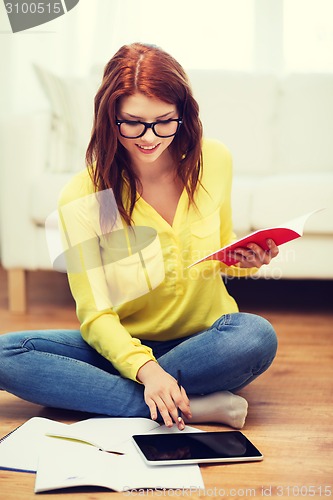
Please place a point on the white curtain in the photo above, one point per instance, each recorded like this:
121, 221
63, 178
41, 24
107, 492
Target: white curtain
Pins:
68, 46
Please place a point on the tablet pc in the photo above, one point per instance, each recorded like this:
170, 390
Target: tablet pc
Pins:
196, 447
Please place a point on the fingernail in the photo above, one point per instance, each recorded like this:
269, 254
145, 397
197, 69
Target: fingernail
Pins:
181, 424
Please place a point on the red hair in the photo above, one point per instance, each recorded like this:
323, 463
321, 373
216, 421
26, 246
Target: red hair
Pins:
151, 71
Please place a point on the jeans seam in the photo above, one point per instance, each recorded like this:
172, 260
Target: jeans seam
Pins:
31, 339
67, 358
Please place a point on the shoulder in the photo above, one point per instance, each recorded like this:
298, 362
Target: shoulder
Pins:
217, 160
214, 147
80, 185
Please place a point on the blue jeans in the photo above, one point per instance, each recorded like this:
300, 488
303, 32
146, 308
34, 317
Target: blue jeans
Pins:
57, 368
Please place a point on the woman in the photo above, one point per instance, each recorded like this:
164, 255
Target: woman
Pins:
154, 199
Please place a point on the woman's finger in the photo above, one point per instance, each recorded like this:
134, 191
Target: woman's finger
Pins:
152, 408
183, 403
165, 413
260, 255
254, 255
246, 257
273, 248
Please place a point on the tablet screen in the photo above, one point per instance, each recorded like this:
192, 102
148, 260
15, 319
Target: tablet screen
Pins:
197, 447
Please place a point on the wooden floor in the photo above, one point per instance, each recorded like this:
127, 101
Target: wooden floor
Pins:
290, 407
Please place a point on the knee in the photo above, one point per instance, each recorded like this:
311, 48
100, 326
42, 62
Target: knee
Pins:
261, 337
4, 346
8, 342
9, 347
3, 358
264, 336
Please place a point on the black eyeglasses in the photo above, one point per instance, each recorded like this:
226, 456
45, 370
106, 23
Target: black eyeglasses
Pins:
135, 129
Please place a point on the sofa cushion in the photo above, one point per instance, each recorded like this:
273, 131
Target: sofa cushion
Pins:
241, 202
303, 258
280, 198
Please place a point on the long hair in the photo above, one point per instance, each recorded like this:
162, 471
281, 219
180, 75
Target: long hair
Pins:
148, 70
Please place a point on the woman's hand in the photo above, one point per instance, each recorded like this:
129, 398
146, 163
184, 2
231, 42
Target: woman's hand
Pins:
163, 394
254, 255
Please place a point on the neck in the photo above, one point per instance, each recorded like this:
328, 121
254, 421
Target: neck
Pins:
161, 170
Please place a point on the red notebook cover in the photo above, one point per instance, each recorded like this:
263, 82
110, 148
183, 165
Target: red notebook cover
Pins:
281, 234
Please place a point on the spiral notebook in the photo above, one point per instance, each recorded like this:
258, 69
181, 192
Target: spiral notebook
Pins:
19, 448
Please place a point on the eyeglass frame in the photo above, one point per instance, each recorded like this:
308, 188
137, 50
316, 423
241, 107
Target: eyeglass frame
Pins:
148, 125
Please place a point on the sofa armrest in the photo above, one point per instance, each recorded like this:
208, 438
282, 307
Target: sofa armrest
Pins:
23, 155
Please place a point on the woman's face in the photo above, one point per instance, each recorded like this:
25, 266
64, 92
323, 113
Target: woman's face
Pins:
149, 147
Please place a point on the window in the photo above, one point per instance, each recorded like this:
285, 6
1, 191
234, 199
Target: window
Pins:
308, 35
210, 34
245, 35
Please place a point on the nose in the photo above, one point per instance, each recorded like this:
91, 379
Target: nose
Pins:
149, 135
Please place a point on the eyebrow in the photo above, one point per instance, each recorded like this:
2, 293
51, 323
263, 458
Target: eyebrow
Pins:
157, 118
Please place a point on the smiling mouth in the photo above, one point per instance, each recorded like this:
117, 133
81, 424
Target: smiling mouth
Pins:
147, 148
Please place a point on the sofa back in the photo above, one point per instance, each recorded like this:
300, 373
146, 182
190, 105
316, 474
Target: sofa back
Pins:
240, 110
270, 124
305, 124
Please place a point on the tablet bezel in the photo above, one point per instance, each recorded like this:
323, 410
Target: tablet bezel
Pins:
187, 461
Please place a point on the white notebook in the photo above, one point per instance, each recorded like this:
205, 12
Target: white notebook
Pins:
96, 451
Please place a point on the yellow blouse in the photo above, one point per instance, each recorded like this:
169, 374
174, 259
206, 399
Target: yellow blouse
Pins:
131, 285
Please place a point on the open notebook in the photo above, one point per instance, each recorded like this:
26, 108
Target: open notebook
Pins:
95, 452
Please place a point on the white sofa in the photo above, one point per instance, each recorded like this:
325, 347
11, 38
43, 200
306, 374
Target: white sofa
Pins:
279, 130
